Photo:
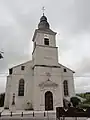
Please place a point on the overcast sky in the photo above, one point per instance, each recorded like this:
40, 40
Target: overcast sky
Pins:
69, 18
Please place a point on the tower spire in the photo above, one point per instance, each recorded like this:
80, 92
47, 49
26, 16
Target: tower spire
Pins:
43, 9
43, 24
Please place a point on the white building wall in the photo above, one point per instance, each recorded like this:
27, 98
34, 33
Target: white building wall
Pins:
39, 39
33, 93
40, 76
45, 56
69, 77
21, 101
42, 55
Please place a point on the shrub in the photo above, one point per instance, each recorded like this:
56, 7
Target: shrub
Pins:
29, 106
84, 106
75, 101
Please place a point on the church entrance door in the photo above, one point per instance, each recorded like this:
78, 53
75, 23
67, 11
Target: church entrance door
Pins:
48, 100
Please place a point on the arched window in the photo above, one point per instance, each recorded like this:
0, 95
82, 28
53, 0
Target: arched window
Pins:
21, 87
46, 41
65, 86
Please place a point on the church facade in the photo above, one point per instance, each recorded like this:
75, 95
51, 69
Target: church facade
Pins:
41, 83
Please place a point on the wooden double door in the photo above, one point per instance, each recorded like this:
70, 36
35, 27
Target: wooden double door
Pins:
48, 100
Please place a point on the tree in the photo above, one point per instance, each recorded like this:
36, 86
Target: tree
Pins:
75, 101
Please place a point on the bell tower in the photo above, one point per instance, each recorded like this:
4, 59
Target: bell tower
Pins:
44, 44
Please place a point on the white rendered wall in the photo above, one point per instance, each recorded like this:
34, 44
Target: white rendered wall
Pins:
39, 77
42, 55
18, 74
39, 39
69, 77
45, 56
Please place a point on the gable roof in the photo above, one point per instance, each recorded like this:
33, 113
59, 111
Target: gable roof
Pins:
21, 64
66, 67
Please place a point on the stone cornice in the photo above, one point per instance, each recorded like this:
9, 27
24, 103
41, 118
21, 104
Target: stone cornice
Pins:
52, 66
48, 83
48, 31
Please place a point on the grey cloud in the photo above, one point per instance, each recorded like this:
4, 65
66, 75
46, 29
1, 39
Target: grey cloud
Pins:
84, 67
83, 14
72, 16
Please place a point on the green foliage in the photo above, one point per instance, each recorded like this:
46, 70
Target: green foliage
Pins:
84, 106
85, 96
2, 97
87, 101
81, 95
75, 101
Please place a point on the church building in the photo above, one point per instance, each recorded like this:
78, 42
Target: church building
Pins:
41, 83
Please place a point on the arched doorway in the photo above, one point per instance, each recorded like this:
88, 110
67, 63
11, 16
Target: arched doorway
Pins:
48, 100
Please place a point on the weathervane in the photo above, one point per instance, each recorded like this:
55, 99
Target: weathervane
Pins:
43, 9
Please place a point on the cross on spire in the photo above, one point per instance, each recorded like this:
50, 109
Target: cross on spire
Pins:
43, 9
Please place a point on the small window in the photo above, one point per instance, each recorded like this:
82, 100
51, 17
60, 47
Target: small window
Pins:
22, 67
65, 70
10, 71
46, 41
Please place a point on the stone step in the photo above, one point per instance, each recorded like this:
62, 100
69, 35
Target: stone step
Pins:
25, 118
